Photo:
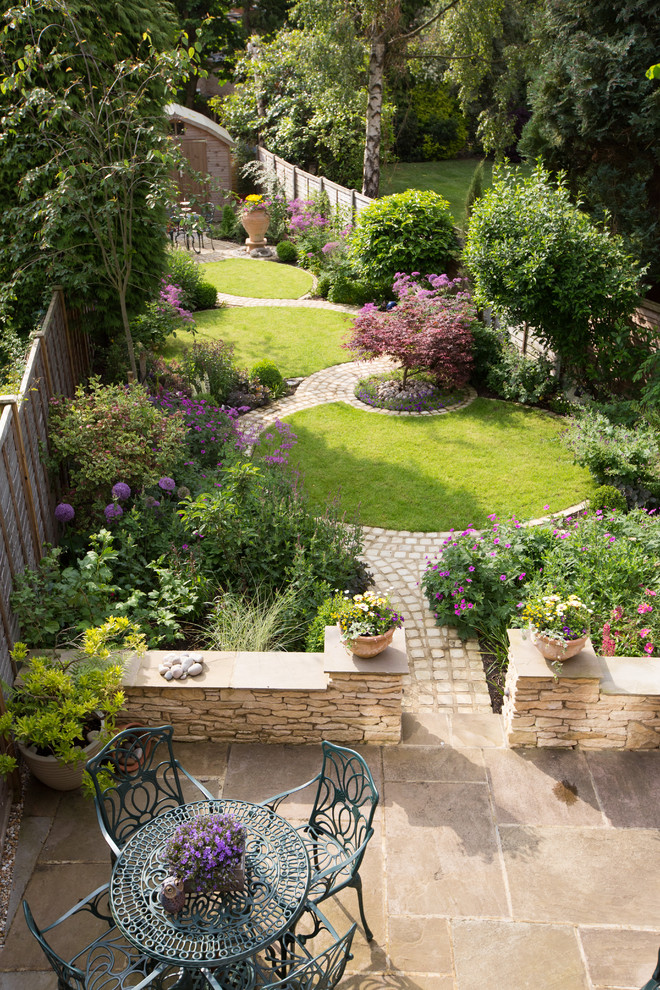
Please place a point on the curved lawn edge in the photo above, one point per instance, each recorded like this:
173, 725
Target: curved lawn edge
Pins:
429, 474
270, 280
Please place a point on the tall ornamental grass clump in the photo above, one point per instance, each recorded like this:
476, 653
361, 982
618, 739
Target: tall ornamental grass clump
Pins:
479, 582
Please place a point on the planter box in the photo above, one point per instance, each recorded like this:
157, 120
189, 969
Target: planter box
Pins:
588, 702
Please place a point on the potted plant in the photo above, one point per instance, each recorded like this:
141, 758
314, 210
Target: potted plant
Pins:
255, 218
204, 856
559, 624
366, 622
63, 708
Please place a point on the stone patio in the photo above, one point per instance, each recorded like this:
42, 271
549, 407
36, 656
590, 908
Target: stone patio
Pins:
532, 870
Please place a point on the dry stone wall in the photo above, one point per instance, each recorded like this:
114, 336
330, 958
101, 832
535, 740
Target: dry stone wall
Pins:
290, 698
588, 702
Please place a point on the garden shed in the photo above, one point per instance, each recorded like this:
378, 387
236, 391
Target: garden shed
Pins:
207, 146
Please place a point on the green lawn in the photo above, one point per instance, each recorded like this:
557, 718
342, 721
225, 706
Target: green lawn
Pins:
259, 279
435, 473
298, 341
449, 178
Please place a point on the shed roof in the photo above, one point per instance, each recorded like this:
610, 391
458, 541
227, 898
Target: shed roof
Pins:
199, 120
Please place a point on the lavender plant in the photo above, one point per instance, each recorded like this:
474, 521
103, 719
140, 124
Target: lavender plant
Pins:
206, 851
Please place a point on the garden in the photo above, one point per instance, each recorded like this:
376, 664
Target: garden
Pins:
178, 516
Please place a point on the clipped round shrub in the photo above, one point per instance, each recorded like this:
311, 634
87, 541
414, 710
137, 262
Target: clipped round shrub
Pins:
354, 292
323, 286
287, 252
267, 374
408, 232
608, 497
206, 296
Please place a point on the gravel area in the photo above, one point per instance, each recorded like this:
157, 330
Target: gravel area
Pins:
9, 854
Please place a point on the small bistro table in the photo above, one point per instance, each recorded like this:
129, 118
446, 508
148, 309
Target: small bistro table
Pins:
216, 930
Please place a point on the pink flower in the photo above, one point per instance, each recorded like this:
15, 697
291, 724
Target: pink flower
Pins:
648, 647
644, 608
644, 632
502, 577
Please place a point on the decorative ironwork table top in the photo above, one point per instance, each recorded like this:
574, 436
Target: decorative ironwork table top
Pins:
215, 929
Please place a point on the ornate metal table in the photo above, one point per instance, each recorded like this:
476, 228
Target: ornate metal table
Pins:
220, 929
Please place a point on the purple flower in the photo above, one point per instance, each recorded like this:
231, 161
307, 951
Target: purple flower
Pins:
167, 484
64, 512
121, 491
113, 511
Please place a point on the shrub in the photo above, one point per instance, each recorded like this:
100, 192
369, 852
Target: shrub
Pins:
229, 228
206, 296
162, 318
522, 379
626, 458
431, 126
185, 272
267, 373
213, 435
488, 345
110, 433
325, 616
479, 582
536, 257
287, 252
256, 624
607, 497
428, 330
408, 232
210, 367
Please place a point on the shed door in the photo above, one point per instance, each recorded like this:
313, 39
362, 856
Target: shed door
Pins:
194, 149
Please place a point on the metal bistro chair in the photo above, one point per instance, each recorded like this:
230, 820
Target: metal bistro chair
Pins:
340, 824
137, 777
291, 963
109, 961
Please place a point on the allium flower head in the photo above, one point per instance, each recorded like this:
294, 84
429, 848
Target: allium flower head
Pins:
121, 491
167, 484
113, 511
64, 512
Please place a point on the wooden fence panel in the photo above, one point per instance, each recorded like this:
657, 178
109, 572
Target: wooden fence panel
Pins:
299, 184
59, 358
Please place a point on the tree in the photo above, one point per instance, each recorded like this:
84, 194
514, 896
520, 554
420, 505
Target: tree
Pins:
219, 38
596, 115
428, 330
301, 94
536, 257
84, 135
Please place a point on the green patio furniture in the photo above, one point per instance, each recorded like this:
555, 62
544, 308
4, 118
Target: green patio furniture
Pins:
137, 777
654, 982
292, 964
107, 961
340, 824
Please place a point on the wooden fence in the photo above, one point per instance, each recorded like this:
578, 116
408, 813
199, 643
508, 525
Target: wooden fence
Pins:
303, 185
59, 358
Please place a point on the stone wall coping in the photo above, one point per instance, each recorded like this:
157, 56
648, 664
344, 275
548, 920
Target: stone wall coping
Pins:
530, 663
393, 660
270, 671
617, 675
630, 675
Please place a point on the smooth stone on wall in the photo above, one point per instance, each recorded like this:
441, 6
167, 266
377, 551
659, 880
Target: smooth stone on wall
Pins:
588, 702
275, 697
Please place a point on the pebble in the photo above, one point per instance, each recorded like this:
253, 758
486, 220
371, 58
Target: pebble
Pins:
179, 666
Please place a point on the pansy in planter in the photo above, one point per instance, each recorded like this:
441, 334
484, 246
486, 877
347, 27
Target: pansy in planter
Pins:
562, 619
206, 853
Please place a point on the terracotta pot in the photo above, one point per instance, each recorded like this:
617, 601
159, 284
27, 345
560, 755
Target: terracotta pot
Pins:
139, 755
60, 776
256, 223
554, 649
369, 646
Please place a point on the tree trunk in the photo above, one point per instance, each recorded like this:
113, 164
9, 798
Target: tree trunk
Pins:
127, 332
191, 90
371, 171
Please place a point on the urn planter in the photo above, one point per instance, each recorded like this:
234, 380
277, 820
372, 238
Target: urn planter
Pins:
256, 223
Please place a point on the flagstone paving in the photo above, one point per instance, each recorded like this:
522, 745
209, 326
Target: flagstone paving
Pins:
488, 867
